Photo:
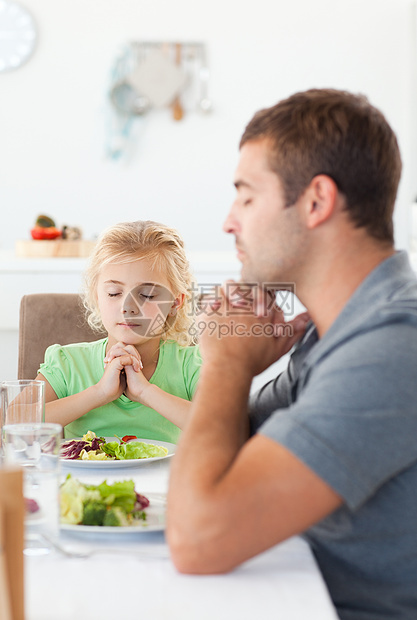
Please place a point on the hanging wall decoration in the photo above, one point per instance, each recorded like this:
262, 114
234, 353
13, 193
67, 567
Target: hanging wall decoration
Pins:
149, 76
18, 35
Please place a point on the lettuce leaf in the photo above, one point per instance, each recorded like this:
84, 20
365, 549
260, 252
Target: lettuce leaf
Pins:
120, 494
133, 450
110, 448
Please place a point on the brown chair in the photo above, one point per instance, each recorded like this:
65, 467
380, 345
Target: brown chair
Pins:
45, 319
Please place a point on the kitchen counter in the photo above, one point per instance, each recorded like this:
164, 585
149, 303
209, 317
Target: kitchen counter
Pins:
200, 262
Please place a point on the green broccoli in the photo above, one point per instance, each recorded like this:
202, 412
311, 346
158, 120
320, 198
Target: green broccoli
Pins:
94, 513
115, 517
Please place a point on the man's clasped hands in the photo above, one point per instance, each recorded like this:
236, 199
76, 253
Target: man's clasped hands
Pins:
236, 324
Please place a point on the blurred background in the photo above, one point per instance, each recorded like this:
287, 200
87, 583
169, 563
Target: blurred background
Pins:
55, 119
59, 130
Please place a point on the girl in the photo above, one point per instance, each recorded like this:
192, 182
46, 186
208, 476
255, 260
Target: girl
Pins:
140, 378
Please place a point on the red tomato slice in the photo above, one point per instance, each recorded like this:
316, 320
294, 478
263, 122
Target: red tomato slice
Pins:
128, 437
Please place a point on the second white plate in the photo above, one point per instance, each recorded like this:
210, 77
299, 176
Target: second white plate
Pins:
109, 464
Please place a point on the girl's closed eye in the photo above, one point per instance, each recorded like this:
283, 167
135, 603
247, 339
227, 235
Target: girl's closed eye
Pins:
147, 296
113, 294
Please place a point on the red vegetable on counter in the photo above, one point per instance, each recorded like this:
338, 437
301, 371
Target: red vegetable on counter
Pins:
39, 232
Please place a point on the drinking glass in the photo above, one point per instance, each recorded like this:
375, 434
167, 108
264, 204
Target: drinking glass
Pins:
35, 447
22, 400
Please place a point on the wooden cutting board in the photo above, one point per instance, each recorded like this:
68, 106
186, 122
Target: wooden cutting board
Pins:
48, 248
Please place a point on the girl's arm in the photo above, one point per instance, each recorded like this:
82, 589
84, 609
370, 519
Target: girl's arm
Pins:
138, 388
173, 408
70, 408
65, 410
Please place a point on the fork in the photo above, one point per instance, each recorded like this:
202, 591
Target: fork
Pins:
152, 554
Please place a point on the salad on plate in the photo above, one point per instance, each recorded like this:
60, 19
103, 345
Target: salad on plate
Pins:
111, 505
93, 448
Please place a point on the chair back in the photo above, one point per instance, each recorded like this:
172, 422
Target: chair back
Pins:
49, 318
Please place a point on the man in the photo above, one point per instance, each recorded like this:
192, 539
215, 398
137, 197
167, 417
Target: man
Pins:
333, 447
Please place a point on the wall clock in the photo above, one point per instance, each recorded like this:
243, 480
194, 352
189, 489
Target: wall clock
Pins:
17, 35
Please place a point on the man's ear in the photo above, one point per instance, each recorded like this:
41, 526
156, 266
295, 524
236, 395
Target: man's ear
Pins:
321, 197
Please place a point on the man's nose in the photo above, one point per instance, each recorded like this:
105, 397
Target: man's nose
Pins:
130, 305
230, 224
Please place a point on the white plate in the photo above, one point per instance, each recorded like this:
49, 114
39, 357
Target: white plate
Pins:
123, 463
155, 521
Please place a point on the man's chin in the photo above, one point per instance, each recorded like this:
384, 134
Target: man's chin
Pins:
246, 274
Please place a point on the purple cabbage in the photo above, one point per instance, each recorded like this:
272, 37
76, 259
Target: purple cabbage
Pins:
72, 449
142, 502
31, 505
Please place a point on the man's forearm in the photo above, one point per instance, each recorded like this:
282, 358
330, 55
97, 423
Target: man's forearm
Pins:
217, 428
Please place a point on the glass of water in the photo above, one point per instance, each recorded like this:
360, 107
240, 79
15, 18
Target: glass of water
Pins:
35, 447
22, 401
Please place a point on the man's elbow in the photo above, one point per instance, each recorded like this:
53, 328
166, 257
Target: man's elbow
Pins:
195, 555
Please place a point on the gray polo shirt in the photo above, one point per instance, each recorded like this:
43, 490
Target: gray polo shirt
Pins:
347, 407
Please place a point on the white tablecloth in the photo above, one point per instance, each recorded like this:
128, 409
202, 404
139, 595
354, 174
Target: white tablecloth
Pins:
283, 583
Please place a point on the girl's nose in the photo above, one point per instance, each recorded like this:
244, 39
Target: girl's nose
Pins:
130, 305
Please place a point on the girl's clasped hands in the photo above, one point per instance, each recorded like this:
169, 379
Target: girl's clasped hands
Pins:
123, 372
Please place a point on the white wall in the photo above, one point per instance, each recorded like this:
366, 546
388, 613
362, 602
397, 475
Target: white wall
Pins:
52, 121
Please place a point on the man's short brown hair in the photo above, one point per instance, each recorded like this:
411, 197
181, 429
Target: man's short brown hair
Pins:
326, 131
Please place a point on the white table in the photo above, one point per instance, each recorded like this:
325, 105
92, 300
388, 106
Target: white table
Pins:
116, 583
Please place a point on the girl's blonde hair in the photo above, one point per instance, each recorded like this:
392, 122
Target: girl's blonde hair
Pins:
163, 246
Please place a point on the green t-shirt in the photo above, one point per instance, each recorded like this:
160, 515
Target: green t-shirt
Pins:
72, 368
